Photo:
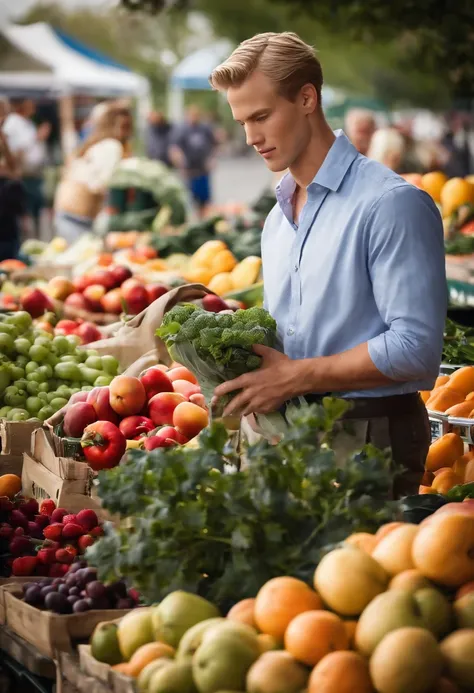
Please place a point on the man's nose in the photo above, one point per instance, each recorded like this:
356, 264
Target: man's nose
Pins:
253, 137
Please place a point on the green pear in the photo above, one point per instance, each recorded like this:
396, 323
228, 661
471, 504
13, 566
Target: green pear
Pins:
223, 662
144, 678
464, 609
174, 678
233, 629
178, 612
436, 611
191, 640
105, 645
134, 630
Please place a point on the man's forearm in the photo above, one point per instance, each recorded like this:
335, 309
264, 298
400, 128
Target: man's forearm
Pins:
350, 370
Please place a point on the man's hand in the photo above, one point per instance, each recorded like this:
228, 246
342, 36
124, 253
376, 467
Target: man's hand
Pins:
262, 391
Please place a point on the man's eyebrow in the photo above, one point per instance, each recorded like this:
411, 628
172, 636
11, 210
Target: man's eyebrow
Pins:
255, 114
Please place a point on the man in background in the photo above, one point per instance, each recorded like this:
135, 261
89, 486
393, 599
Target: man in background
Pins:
158, 137
193, 146
359, 127
27, 144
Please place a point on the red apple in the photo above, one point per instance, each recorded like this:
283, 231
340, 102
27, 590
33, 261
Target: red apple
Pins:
127, 395
133, 427
214, 303
103, 277
76, 300
60, 288
186, 388
173, 433
181, 373
200, 400
78, 397
154, 380
154, 291
77, 417
35, 302
65, 327
112, 301
159, 442
162, 406
135, 296
190, 419
120, 274
93, 295
81, 282
99, 397
88, 332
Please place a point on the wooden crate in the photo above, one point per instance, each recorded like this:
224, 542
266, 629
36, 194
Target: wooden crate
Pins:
112, 680
51, 633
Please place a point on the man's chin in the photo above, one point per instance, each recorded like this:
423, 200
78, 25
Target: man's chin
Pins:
275, 166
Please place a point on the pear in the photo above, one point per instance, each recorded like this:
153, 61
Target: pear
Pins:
191, 640
178, 612
176, 677
223, 660
277, 672
436, 611
144, 678
233, 629
105, 645
134, 630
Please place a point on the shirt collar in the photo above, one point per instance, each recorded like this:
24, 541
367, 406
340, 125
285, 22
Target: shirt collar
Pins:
332, 172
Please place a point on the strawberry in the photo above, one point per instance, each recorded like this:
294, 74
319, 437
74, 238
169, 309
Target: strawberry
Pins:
72, 549
64, 556
87, 518
58, 570
19, 546
58, 514
19, 532
134, 594
42, 520
67, 519
6, 531
46, 556
85, 541
53, 531
97, 532
29, 507
24, 566
47, 507
72, 531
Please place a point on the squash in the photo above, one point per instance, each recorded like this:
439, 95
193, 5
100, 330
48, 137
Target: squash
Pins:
444, 452
454, 193
462, 410
444, 398
223, 261
460, 465
206, 253
246, 272
220, 284
200, 275
425, 395
462, 380
445, 481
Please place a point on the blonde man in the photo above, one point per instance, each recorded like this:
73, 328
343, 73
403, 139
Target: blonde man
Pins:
353, 261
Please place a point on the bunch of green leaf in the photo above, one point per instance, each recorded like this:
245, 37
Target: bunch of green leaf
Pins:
193, 520
216, 347
458, 347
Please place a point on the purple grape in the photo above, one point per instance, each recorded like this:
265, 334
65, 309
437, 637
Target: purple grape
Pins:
57, 581
72, 599
96, 590
33, 595
58, 603
27, 585
74, 591
49, 589
80, 606
118, 589
63, 589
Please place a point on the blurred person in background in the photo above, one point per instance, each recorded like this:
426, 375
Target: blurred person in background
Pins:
387, 146
158, 137
12, 194
27, 143
458, 157
359, 126
192, 149
81, 192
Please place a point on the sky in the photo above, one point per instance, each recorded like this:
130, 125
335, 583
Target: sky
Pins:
12, 9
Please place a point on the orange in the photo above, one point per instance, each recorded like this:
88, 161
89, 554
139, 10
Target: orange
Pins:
363, 540
413, 178
350, 627
341, 672
279, 601
455, 193
243, 612
146, 654
314, 634
10, 485
433, 183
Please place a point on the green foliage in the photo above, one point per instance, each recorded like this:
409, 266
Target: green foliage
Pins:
191, 519
458, 345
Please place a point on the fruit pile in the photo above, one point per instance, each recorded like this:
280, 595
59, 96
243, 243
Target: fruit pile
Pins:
161, 408
40, 372
447, 465
388, 612
110, 290
78, 591
40, 540
453, 394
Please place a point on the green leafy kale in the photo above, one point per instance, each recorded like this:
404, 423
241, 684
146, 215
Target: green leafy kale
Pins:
193, 519
458, 347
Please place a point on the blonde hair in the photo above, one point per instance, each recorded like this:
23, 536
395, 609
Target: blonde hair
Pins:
387, 146
284, 58
104, 125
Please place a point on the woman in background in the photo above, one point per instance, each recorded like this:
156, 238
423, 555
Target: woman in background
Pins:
387, 146
12, 194
81, 193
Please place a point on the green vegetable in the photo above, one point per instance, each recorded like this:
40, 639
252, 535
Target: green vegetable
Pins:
458, 347
460, 492
187, 524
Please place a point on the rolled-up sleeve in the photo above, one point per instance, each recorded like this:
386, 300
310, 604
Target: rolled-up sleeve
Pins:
407, 267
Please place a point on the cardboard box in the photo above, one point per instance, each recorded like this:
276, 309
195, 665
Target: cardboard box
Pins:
73, 494
51, 633
11, 464
15, 436
48, 449
71, 679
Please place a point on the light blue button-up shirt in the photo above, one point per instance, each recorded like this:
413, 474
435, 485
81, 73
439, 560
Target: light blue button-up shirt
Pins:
364, 264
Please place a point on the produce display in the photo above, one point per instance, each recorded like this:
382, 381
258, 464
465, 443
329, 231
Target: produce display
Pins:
39, 371
389, 611
40, 539
458, 347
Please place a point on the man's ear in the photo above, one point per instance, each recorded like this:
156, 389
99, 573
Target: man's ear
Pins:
309, 98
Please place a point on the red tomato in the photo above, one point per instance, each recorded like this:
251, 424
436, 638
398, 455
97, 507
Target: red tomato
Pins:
104, 445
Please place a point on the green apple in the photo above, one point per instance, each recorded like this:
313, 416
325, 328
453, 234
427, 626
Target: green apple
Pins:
178, 612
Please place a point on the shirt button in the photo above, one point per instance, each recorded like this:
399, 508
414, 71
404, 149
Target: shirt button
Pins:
290, 331
296, 268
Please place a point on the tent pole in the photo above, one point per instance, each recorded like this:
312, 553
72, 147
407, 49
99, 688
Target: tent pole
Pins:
69, 139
